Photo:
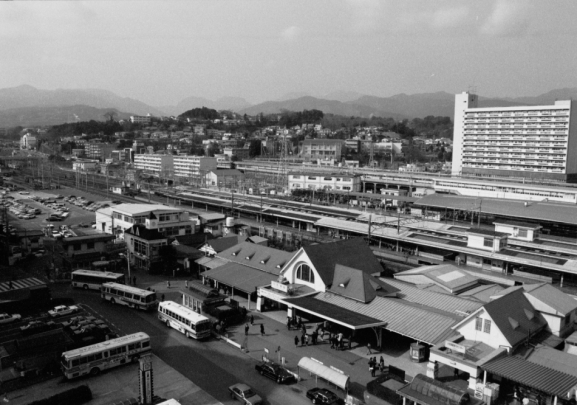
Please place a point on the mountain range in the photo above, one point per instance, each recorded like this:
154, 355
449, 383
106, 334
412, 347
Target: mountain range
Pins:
26, 105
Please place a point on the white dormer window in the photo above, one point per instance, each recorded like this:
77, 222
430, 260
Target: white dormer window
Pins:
514, 323
530, 314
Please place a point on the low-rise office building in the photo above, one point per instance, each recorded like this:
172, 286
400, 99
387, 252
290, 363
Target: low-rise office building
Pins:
157, 165
320, 181
193, 167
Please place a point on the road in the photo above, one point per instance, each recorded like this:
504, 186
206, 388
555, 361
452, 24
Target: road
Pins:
212, 365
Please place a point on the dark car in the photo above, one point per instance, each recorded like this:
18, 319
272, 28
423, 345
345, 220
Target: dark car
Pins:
37, 327
322, 396
274, 372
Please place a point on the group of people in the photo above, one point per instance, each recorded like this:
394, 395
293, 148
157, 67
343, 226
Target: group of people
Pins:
374, 366
338, 341
247, 328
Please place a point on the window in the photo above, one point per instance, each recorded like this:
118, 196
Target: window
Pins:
76, 247
488, 242
487, 328
478, 324
90, 245
140, 247
522, 233
305, 273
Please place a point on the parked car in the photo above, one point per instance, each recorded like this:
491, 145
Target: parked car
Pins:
63, 310
245, 394
322, 396
274, 372
23, 193
5, 318
37, 327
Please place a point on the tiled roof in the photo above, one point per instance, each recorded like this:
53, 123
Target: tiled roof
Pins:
241, 277
402, 317
545, 211
257, 256
515, 306
353, 253
356, 284
221, 244
536, 376
444, 302
551, 296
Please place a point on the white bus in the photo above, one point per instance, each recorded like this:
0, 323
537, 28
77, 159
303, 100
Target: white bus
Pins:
93, 279
101, 356
184, 320
134, 297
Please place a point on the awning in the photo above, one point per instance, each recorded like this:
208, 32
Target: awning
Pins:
334, 313
326, 373
541, 378
241, 277
203, 260
426, 390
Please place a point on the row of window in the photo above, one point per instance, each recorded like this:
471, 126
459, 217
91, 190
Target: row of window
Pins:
178, 318
136, 297
109, 353
483, 326
89, 245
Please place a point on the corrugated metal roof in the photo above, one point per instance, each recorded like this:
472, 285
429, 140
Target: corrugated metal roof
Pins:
241, 277
401, 317
547, 211
551, 296
443, 302
539, 377
413, 278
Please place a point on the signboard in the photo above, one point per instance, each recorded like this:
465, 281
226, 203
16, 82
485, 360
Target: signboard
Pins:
454, 347
279, 286
263, 292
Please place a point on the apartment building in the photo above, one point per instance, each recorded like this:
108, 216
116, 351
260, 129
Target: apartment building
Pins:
140, 119
326, 181
193, 167
530, 141
240, 153
99, 151
323, 149
158, 165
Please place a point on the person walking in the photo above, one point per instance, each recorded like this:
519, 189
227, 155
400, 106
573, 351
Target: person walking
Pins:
306, 339
162, 298
185, 283
350, 341
246, 329
251, 319
297, 341
167, 284
302, 340
288, 323
369, 348
262, 329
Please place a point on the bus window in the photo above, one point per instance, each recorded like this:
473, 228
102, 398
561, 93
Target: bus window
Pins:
130, 347
105, 354
98, 356
145, 344
75, 363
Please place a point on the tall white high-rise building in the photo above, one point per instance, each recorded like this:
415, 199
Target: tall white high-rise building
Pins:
538, 142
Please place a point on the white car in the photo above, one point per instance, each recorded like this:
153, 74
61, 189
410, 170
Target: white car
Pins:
62, 310
5, 318
23, 193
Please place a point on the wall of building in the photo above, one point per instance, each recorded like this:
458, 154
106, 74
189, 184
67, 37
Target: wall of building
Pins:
462, 102
494, 339
290, 272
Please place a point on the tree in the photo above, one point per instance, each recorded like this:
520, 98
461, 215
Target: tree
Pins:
213, 149
109, 115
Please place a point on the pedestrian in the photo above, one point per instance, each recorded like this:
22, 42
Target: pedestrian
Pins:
382, 362
297, 341
302, 340
185, 283
246, 329
251, 319
262, 329
134, 280
162, 297
350, 341
288, 323
167, 284
456, 373
369, 348
307, 340
314, 337
373, 369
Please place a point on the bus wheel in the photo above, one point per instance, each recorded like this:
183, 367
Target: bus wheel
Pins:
95, 371
168, 324
85, 287
112, 301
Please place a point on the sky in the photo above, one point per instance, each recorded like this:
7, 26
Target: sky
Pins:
163, 51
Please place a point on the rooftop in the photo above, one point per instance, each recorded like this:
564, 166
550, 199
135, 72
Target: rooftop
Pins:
133, 209
259, 257
487, 232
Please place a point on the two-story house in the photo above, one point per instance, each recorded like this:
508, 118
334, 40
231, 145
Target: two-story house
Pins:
82, 251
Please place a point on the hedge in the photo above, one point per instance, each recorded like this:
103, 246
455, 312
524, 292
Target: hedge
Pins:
74, 396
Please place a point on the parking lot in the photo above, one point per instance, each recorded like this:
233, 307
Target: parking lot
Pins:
26, 202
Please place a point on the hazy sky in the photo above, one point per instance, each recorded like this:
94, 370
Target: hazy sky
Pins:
163, 51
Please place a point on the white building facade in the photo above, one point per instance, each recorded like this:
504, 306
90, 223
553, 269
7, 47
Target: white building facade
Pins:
531, 141
160, 165
193, 167
324, 181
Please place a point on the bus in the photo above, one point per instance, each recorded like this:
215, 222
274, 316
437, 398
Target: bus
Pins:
93, 279
101, 356
134, 297
184, 320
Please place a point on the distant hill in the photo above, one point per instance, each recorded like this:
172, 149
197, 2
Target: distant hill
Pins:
224, 103
326, 106
36, 116
343, 96
548, 98
421, 105
292, 96
28, 96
